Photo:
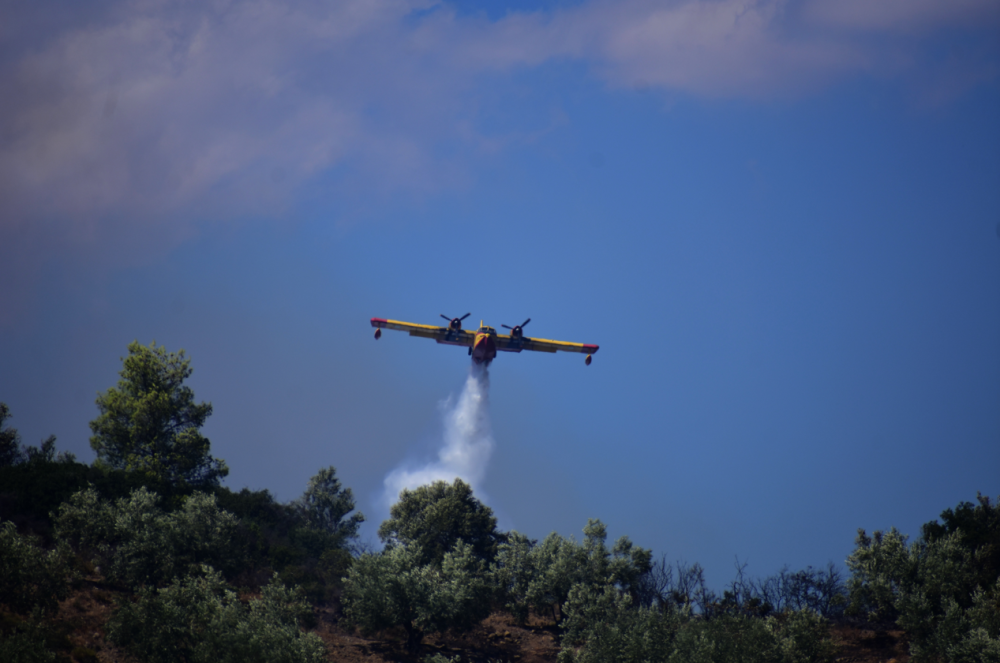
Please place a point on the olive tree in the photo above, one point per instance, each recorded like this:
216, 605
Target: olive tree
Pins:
31, 578
395, 588
325, 506
943, 589
135, 542
434, 518
201, 619
150, 422
541, 576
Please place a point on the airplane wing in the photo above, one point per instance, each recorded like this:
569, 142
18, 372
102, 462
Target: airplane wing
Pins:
440, 334
511, 344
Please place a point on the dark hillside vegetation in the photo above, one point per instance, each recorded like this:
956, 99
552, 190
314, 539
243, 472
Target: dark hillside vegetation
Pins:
145, 556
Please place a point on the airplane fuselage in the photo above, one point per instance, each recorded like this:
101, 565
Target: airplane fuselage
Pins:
484, 349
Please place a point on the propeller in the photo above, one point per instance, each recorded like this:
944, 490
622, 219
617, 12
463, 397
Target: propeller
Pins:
518, 330
455, 323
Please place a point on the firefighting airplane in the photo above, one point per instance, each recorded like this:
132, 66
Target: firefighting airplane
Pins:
485, 341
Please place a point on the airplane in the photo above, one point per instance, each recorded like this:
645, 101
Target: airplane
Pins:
485, 341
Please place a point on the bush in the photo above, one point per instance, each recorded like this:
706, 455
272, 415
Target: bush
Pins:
880, 565
395, 588
29, 577
135, 543
27, 642
325, 506
603, 625
434, 518
201, 620
540, 577
943, 590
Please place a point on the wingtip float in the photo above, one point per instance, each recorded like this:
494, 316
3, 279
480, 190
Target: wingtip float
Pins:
484, 343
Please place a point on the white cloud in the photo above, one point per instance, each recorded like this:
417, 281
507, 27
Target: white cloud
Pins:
901, 15
152, 111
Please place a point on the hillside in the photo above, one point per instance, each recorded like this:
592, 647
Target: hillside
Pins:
142, 563
78, 634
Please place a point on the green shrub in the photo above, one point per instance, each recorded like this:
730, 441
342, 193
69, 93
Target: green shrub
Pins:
540, 577
435, 517
880, 566
135, 543
30, 577
602, 626
395, 588
803, 636
943, 589
201, 620
26, 642
325, 506
308, 541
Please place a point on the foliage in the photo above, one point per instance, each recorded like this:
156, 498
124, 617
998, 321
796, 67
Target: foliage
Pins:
942, 589
879, 565
136, 543
149, 423
794, 637
12, 452
281, 537
10, 439
603, 625
26, 642
441, 658
201, 620
541, 576
978, 529
324, 507
396, 588
434, 518
29, 577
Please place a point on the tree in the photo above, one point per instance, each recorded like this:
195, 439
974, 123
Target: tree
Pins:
136, 543
542, 576
30, 577
325, 506
943, 589
435, 517
202, 620
10, 440
394, 588
149, 423
12, 452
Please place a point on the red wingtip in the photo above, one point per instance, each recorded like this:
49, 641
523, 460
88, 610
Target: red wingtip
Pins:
591, 349
378, 322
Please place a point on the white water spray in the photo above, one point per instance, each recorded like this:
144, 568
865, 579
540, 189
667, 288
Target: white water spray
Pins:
468, 441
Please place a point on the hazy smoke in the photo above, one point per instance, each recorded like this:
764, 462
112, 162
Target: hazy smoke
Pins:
468, 441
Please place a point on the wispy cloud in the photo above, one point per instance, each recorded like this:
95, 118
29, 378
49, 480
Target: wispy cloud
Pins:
145, 111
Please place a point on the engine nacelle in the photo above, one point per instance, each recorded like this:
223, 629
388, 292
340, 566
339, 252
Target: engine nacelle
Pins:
378, 334
588, 360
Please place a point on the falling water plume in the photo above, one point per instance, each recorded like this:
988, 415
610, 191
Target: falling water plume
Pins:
468, 441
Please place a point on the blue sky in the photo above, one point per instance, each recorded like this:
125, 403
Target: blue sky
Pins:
779, 220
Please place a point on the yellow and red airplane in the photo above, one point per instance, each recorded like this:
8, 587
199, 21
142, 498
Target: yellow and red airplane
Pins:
485, 341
